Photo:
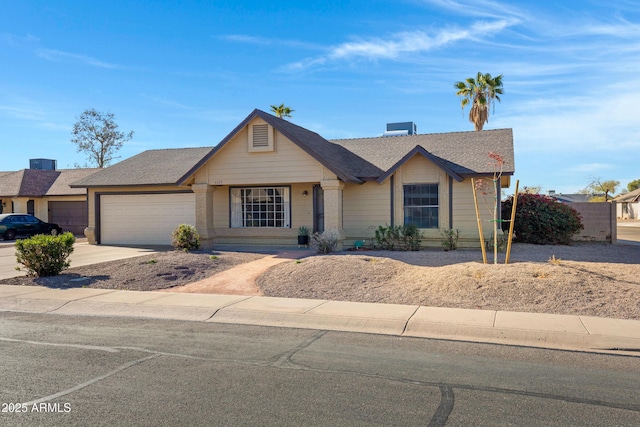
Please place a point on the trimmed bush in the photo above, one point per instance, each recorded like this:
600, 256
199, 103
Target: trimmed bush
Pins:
542, 220
44, 255
185, 237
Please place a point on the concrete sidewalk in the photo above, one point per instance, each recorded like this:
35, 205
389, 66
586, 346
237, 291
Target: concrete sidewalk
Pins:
538, 330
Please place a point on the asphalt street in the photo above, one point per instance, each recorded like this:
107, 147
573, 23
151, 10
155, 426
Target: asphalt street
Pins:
629, 235
78, 371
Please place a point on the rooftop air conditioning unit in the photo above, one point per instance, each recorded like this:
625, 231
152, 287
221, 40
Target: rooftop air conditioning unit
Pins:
42, 164
400, 129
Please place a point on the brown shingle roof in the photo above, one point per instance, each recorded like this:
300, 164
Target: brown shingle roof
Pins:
38, 183
630, 197
464, 153
459, 154
152, 167
10, 183
62, 185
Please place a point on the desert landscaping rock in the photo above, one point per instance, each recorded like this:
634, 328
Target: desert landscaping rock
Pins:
145, 273
583, 279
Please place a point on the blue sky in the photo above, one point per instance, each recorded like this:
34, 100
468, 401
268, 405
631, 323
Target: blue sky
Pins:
184, 74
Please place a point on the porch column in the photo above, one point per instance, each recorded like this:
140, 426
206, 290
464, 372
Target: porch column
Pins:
204, 213
333, 207
19, 204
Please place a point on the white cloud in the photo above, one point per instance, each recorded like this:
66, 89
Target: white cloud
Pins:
483, 8
60, 56
269, 41
403, 44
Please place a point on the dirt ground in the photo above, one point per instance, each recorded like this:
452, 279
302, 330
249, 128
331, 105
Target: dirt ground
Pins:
161, 270
586, 279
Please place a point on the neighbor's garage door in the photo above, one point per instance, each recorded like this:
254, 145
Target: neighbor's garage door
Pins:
144, 219
70, 216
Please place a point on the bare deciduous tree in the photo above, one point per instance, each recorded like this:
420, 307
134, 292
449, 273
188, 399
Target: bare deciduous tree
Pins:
97, 135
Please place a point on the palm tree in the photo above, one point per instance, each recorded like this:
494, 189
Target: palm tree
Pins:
281, 111
480, 92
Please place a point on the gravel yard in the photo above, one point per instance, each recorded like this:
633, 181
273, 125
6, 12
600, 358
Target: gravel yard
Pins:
586, 279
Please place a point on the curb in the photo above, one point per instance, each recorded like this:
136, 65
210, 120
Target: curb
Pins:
564, 332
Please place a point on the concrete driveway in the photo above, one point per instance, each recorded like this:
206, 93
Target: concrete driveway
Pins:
83, 254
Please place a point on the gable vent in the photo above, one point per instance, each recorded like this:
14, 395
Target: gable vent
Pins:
260, 135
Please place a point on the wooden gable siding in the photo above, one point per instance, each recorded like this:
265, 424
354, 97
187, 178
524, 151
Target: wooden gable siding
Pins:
288, 163
365, 207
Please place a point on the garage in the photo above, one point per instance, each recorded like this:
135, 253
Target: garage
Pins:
144, 219
70, 216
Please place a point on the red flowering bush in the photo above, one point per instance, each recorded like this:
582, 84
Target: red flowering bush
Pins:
542, 220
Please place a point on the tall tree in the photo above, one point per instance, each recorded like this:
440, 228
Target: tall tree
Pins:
633, 185
97, 135
600, 190
480, 92
281, 111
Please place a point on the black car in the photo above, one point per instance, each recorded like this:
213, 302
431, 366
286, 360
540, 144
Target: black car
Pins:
12, 225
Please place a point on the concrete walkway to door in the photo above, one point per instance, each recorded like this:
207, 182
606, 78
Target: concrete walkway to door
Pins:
241, 279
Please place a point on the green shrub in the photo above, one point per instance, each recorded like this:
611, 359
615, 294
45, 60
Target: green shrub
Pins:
400, 237
323, 243
387, 237
542, 220
44, 255
411, 237
449, 239
185, 237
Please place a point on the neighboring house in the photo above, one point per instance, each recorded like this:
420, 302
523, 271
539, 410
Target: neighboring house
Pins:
47, 195
570, 198
269, 176
628, 205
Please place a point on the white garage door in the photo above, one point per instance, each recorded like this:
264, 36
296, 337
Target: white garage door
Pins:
144, 219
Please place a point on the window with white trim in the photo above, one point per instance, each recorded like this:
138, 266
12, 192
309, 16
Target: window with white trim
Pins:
260, 207
421, 205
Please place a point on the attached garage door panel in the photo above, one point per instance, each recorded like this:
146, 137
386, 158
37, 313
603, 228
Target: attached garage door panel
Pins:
70, 216
144, 219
